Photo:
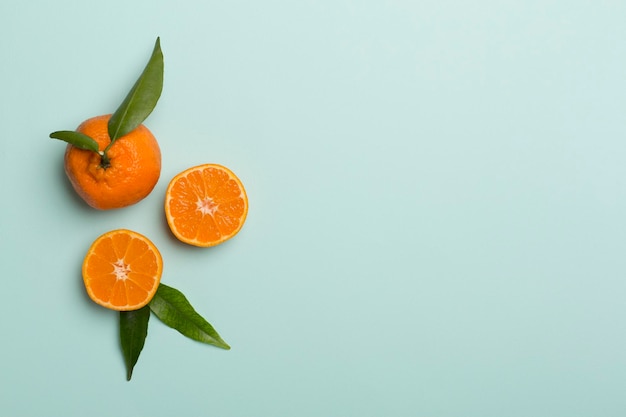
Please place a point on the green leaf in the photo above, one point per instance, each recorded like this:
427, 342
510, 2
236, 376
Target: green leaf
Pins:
173, 309
133, 332
80, 140
141, 99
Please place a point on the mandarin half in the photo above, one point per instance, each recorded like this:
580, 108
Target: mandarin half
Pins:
122, 270
205, 205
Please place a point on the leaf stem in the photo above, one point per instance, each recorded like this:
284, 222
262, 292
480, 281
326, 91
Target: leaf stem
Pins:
105, 162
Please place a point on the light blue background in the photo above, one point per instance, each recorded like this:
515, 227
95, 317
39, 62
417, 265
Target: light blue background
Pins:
436, 222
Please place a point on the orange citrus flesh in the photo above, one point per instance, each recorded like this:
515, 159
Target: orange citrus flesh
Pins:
205, 205
122, 270
135, 166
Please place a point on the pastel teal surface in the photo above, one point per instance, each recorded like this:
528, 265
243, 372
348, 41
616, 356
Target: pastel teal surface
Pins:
437, 199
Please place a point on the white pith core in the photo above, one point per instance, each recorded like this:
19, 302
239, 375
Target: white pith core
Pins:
120, 269
206, 206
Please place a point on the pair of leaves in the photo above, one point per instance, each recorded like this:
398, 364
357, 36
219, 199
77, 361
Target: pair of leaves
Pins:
136, 107
173, 309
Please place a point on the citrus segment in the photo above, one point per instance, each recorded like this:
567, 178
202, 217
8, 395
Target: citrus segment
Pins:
122, 270
205, 205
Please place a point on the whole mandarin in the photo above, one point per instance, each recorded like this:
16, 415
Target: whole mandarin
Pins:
132, 172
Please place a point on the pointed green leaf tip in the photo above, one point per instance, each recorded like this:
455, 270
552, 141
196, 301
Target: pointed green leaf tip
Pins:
173, 309
80, 140
133, 332
141, 99
135, 108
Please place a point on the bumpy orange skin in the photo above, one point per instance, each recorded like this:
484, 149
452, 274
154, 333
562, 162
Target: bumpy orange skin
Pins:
135, 166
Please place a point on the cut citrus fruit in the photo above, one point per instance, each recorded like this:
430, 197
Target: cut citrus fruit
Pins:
122, 270
205, 205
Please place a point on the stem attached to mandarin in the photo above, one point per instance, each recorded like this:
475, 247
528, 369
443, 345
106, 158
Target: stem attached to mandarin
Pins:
105, 162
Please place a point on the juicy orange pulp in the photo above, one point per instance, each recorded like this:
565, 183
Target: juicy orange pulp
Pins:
122, 270
205, 205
